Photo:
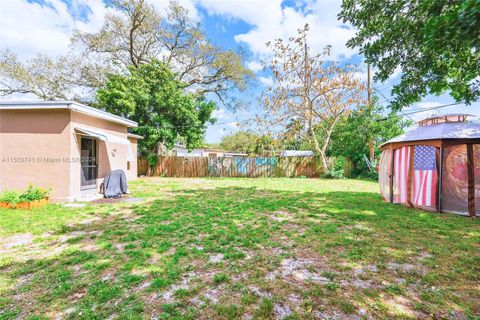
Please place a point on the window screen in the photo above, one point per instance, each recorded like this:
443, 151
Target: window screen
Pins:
400, 174
424, 177
455, 179
476, 161
384, 172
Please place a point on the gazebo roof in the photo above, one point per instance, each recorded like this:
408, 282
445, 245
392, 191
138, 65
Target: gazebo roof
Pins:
440, 131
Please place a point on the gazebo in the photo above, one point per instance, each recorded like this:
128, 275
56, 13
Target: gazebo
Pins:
434, 167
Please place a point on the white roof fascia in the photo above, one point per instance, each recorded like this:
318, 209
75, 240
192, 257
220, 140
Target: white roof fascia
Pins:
135, 136
74, 106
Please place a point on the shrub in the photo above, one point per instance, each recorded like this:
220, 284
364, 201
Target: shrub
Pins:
334, 174
336, 171
34, 193
10, 197
372, 175
30, 194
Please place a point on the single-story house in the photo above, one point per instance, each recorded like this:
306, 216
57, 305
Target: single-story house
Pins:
63, 145
182, 151
296, 153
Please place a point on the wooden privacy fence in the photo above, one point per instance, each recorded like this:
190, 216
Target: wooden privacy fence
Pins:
189, 167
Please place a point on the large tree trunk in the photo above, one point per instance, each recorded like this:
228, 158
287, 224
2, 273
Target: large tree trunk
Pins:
319, 150
322, 151
326, 141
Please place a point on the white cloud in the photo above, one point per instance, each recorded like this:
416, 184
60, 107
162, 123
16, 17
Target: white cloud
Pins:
234, 125
162, 5
29, 28
270, 21
266, 81
255, 66
362, 75
221, 113
426, 104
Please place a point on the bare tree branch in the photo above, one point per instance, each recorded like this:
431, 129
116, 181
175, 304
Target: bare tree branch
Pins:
310, 88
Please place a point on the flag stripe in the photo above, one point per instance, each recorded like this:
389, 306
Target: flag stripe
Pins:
402, 163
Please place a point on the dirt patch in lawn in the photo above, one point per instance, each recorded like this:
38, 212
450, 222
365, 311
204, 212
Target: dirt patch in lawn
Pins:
281, 215
299, 270
81, 235
116, 200
15, 241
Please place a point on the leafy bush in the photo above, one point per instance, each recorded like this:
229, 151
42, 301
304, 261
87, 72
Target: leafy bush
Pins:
370, 174
364, 172
10, 197
30, 194
34, 193
334, 174
152, 159
336, 171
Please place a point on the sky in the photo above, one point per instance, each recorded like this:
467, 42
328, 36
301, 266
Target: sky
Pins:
30, 27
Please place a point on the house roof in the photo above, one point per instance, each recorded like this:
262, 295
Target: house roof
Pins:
71, 105
447, 115
213, 150
135, 136
296, 153
440, 131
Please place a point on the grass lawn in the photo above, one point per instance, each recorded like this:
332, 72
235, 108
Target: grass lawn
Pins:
239, 248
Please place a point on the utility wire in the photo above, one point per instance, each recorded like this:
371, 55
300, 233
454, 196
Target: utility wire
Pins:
428, 109
379, 92
414, 111
433, 108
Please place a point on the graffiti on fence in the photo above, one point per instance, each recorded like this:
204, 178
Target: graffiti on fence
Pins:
241, 166
218, 165
265, 166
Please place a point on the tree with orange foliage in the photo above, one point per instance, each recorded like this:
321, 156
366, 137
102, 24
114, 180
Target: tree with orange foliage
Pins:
310, 88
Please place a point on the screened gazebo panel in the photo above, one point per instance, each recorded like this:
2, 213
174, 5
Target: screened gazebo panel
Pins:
455, 179
476, 161
401, 159
424, 177
385, 166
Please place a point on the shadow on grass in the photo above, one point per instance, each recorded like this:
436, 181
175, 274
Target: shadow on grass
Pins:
120, 266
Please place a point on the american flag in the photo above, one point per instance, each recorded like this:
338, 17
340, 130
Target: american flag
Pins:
401, 166
425, 176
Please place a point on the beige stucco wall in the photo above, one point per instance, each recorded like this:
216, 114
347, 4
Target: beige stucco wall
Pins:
133, 167
34, 148
41, 147
111, 156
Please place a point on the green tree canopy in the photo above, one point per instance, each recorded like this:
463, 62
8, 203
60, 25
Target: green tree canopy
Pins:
151, 95
249, 142
351, 137
434, 43
240, 141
